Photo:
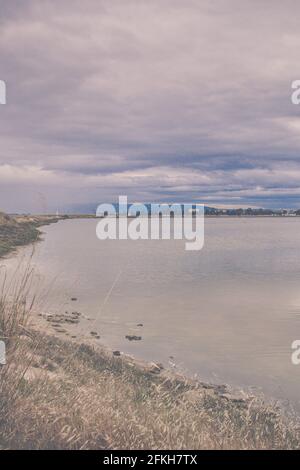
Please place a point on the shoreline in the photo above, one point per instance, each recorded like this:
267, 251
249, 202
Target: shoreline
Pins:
126, 403
61, 326
145, 366
57, 359
22, 230
63, 323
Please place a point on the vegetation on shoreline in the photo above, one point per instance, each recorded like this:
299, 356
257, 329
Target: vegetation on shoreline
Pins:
71, 397
59, 394
21, 230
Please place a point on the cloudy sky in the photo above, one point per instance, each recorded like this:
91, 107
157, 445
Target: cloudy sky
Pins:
161, 100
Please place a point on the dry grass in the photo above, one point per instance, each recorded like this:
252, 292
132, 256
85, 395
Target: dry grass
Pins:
55, 394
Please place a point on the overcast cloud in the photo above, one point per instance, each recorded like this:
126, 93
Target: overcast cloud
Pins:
162, 100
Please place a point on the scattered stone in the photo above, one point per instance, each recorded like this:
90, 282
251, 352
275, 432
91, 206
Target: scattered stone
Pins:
220, 389
87, 318
234, 397
71, 320
63, 318
155, 368
133, 338
51, 365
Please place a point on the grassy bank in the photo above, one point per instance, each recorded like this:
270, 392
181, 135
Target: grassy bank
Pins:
18, 231
59, 394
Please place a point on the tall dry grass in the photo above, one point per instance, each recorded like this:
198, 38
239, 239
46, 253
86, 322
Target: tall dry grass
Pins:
15, 308
56, 394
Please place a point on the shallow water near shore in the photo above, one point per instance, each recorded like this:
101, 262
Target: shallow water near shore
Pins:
227, 313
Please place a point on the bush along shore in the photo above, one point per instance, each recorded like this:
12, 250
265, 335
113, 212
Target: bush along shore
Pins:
21, 230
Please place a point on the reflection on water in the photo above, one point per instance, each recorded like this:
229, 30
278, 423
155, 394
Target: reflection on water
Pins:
228, 313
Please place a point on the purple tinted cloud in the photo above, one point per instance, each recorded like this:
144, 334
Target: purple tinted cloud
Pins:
162, 100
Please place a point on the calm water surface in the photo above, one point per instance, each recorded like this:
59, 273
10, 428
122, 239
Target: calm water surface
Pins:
227, 313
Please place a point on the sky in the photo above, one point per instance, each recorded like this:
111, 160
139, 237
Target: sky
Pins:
161, 100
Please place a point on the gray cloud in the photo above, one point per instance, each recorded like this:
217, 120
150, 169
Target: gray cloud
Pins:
162, 100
